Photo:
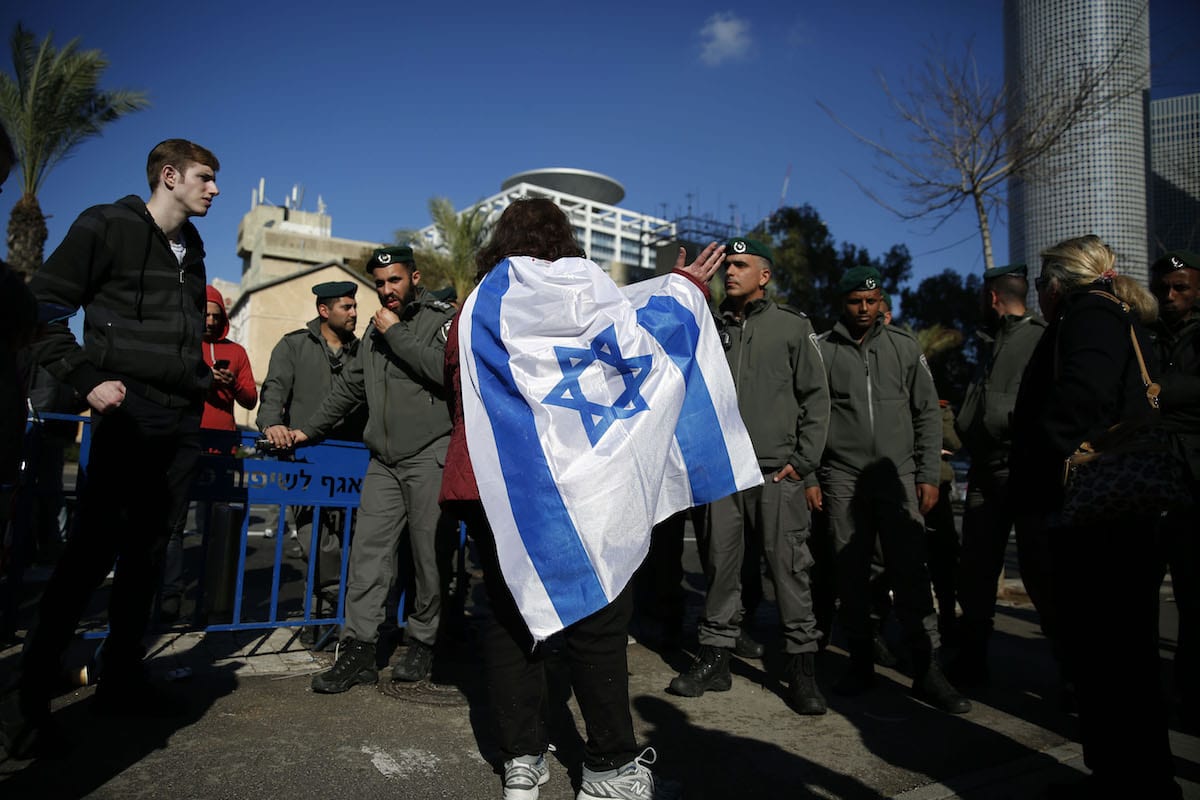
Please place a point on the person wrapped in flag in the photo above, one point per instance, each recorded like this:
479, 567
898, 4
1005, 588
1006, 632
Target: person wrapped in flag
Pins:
583, 414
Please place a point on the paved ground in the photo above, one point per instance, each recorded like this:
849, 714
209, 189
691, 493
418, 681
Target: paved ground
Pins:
254, 729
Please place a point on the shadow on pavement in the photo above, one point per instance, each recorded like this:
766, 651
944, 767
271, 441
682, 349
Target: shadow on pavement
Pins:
723, 765
102, 748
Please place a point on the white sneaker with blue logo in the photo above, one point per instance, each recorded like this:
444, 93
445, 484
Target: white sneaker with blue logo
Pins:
634, 781
523, 775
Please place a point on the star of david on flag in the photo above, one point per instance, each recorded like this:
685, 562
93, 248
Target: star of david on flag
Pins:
592, 413
573, 361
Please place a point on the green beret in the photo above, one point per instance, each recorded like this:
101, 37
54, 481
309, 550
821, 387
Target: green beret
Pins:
1020, 270
860, 279
335, 289
1176, 259
885, 299
397, 253
741, 246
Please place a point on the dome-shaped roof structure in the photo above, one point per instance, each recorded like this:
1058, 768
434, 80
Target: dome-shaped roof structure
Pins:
579, 182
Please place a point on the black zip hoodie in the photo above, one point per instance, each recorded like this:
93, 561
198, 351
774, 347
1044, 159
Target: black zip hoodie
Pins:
143, 310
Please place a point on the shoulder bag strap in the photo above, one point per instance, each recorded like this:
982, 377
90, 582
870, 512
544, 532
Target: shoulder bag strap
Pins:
1152, 388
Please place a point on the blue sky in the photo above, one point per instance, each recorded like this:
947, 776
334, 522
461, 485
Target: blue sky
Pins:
377, 107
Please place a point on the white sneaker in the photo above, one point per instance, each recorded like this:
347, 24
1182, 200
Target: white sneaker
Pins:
634, 781
523, 775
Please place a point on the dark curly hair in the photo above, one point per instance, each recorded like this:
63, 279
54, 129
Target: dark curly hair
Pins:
534, 227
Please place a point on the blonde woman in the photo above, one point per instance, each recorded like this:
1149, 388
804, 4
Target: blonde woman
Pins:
1082, 379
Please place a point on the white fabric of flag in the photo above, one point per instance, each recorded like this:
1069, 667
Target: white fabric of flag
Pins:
591, 413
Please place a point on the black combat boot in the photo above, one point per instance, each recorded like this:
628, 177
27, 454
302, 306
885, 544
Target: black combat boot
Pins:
416, 664
931, 686
709, 672
355, 664
860, 675
746, 646
803, 694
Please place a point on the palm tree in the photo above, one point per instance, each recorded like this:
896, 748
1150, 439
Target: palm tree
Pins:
937, 340
51, 105
451, 258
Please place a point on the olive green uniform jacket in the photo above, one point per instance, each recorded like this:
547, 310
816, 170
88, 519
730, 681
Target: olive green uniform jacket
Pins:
780, 383
950, 442
884, 404
399, 376
299, 378
984, 419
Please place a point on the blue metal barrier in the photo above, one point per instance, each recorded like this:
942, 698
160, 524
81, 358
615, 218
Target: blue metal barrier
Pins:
326, 475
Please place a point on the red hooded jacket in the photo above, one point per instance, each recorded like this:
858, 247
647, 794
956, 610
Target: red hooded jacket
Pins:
218, 406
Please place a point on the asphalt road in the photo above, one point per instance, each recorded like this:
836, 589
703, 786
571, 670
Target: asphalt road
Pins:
253, 735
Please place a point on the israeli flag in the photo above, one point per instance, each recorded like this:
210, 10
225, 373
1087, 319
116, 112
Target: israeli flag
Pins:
592, 413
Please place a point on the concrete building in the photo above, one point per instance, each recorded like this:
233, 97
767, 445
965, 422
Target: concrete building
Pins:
1095, 181
285, 252
622, 242
1175, 174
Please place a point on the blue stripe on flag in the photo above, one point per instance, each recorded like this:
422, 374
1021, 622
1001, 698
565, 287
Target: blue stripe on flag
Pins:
699, 433
542, 520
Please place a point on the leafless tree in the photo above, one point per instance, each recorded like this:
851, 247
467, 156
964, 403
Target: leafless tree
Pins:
968, 134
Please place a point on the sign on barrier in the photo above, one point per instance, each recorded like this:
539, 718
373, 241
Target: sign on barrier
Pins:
325, 475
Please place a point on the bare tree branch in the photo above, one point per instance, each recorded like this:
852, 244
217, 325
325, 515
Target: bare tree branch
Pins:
967, 136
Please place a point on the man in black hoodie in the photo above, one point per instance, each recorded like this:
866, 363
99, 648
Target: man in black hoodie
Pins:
137, 269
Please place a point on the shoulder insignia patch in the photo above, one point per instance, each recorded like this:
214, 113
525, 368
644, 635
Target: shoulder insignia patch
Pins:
444, 333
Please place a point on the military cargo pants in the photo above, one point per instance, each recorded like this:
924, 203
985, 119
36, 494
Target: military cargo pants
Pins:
777, 514
879, 503
392, 497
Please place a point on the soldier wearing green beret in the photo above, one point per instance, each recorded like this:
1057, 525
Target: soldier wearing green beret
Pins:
879, 474
1175, 281
784, 401
1006, 340
399, 377
300, 374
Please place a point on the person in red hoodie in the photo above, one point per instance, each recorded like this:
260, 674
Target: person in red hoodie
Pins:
232, 382
232, 379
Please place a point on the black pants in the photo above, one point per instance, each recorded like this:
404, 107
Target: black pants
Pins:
987, 521
516, 669
138, 476
1182, 554
658, 582
1105, 581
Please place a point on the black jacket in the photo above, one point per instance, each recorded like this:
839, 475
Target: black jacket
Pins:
1178, 351
143, 310
1082, 379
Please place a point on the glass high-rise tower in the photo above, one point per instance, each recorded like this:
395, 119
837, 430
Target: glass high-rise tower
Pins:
1175, 173
1095, 179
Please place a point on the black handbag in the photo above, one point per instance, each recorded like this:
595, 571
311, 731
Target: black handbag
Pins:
1134, 468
